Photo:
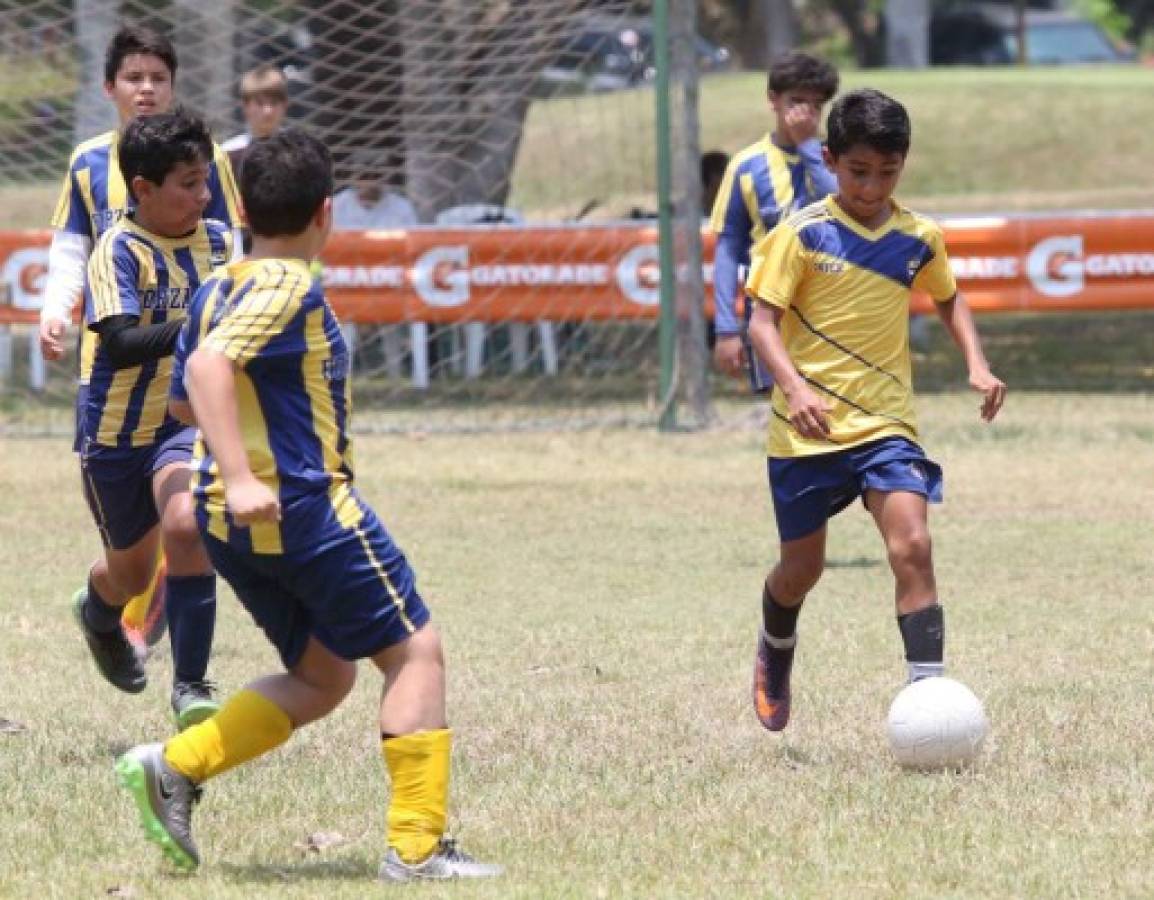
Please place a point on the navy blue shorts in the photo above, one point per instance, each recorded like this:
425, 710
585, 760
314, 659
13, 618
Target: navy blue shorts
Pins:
118, 484
809, 490
356, 596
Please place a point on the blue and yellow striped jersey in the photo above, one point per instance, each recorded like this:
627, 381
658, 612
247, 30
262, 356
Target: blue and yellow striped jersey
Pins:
137, 273
845, 293
763, 184
270, 317
94, 196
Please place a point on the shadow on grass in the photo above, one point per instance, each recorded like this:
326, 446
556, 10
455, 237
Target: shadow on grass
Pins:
854, 562
306, 870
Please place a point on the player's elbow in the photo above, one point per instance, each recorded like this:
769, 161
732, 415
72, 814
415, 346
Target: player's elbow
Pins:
181, 410
118, 351
204, 366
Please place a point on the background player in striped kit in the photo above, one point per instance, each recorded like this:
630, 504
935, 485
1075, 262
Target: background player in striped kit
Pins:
139, 76
133, 455
763, 183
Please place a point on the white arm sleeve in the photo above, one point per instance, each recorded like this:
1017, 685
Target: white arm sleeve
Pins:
67, 264
237, 243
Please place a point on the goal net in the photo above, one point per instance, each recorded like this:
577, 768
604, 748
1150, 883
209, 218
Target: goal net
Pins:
518, 134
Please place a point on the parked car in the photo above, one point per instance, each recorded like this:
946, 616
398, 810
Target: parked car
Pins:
612, 55
987, 35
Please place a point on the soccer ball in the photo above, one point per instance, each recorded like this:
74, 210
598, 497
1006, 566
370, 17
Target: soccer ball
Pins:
936, 723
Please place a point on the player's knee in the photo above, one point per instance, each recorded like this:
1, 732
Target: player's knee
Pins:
180, 533
344, 679
425, 646
333, 682
131, 580
796, 577
911, 550
422, 648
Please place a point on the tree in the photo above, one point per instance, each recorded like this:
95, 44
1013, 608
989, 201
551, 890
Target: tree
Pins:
469, 66
864, 22
442, 85
765, 28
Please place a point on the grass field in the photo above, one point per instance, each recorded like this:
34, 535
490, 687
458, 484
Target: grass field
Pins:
597, 593
984, 139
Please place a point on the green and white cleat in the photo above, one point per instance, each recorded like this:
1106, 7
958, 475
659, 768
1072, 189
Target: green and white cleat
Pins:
164, 799
193, 702
444, 863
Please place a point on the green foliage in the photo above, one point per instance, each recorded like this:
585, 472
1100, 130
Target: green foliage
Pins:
1106, 13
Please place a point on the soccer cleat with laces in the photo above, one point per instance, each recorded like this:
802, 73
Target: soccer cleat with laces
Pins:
193, 702
115, 656
164, 798
771, 683
445, 862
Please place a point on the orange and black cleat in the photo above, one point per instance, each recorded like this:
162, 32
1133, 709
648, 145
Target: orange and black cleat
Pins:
771, 682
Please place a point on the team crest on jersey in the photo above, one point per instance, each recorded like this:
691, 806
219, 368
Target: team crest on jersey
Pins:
217, 258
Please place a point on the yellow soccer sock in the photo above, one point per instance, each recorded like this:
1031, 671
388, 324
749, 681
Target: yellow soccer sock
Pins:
248, 725
135, 613
419, 768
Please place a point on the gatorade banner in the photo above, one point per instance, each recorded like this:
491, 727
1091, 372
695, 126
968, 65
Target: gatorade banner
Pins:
583, 273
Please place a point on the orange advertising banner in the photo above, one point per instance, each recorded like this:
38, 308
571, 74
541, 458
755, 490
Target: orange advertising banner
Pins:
581, 273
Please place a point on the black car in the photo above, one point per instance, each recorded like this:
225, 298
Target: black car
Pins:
987, 35
611, 56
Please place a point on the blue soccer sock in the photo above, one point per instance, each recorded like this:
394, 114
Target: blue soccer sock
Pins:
191, 607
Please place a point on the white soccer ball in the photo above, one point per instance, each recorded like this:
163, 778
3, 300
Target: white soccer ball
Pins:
936, 723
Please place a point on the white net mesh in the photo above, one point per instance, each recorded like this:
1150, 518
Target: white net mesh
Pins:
490, 117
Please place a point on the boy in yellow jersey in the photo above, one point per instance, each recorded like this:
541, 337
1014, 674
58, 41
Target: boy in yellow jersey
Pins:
134, 456
763, 184
263, 369
139, 74
832, 285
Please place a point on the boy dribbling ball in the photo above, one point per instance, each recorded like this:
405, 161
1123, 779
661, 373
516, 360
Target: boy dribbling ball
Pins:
832, 285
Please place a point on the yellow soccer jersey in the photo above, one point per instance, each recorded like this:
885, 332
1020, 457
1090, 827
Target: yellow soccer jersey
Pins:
94, 196
134, 272
270, 317
844, 291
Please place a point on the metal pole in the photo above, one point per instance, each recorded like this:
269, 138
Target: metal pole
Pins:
667, 321
692, 369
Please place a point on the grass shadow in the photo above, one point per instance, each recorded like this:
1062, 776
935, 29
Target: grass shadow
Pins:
853, 562
308, 870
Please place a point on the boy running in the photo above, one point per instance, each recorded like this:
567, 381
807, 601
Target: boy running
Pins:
133, 455
139, 75
265, 375
831, 321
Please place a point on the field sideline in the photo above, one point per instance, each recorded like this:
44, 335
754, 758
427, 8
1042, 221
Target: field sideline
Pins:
597, 594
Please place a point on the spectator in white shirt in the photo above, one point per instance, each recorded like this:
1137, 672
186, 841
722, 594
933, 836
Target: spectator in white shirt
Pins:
369, 204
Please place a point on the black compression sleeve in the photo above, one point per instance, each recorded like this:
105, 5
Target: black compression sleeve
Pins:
128, 344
